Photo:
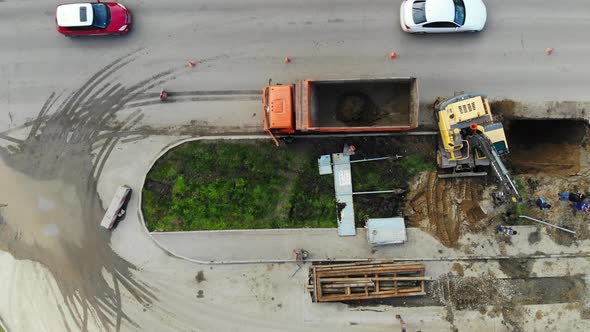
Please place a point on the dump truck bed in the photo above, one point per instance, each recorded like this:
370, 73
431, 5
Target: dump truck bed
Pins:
356, 105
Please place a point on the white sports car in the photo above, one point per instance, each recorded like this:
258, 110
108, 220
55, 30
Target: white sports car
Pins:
442, 16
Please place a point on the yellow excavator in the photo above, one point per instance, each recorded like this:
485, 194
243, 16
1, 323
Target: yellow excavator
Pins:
471, 141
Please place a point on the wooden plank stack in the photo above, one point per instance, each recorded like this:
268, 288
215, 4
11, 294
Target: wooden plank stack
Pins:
365, 280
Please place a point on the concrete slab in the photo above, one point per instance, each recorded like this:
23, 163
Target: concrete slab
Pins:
343, 190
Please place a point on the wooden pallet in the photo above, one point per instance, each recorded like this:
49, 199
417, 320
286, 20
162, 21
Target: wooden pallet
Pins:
365, 280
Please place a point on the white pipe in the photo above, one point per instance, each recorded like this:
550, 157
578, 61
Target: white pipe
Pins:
548, 224
397, 191
371, 159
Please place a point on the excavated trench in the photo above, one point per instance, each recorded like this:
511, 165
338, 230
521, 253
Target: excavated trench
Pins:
547, 155
549, 147
551, 156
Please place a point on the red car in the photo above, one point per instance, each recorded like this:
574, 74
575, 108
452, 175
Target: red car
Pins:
91, 19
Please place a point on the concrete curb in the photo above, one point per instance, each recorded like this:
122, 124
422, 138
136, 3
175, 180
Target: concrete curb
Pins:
269, 261
2, 325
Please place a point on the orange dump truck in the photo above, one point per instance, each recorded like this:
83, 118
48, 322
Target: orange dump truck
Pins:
340, 106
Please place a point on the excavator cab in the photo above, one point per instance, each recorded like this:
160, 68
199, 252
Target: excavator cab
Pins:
471, 142
460, 118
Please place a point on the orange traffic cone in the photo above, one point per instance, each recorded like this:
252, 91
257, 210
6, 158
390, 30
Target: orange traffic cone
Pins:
392, 55
287, 59
549, 50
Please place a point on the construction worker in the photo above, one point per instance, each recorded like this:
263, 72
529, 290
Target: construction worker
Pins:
542, 203
581, 206
506, 230
402, 323
571, 196
349, 149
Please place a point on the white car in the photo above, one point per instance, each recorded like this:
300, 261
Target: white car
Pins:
442, 16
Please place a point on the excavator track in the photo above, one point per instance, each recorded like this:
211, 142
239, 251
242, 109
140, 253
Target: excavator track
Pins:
461, 175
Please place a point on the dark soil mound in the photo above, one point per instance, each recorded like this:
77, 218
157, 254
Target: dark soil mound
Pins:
357, 110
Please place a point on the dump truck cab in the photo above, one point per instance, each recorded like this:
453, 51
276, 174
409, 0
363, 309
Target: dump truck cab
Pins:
277, 104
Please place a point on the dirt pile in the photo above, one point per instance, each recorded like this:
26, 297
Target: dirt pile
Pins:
470, 293
478, 293
446, 208
357, 110
458, 269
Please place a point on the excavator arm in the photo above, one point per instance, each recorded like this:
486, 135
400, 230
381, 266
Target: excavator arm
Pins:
484, 145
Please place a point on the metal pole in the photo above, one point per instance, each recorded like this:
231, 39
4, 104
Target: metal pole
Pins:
548, 224
395, 191
371, 159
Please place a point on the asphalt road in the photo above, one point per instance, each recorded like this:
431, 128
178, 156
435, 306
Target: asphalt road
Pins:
246, 42
66, 156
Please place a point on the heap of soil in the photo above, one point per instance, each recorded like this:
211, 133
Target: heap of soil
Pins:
474, 293
357, 110
446, 208
479, 293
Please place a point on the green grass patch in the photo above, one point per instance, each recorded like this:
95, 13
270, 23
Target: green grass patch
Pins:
415, 164
521, 208
216, 185
237, 185
385, 175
